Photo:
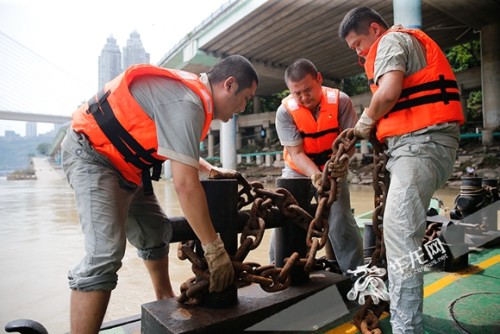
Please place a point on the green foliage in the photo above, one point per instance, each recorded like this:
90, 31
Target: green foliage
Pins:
273, 102
354, 85
268, 103
475, 106
465, 56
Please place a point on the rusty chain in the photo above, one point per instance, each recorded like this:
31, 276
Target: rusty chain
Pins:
270, 278
367, 317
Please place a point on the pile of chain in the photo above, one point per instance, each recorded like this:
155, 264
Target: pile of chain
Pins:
367, 317
270, 278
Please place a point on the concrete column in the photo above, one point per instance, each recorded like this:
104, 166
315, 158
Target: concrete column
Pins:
258, 160
269, 160
210, 144
463, 101
364, 146
490, 80
408, 13
238, 139
228, 143
277, 160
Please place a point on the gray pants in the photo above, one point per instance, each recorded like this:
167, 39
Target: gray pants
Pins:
343, 233
418, 167
111, 210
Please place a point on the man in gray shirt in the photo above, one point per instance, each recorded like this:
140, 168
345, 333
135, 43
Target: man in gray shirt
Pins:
142, 117
416, 110
307, 122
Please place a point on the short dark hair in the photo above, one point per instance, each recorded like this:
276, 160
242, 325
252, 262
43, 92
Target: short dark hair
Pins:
298, 70
236, 66
359, 20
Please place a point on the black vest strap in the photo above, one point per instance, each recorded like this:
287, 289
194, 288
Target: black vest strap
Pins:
443, 96
318, 134
320, 158
130, 149
440, 84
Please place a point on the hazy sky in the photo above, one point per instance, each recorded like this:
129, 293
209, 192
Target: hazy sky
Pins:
49, 48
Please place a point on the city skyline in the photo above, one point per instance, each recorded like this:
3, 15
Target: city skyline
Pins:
66, 49
133, 53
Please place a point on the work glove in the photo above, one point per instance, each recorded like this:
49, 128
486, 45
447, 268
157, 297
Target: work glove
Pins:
219, 265
223, 173
364, 126
339, 169
317, 180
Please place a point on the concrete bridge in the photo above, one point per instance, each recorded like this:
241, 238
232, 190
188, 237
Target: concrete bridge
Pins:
33, 117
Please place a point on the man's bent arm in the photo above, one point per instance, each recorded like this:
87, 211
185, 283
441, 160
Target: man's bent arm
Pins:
193, 201
387, 94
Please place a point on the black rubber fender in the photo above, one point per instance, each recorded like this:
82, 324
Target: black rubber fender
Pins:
25, 326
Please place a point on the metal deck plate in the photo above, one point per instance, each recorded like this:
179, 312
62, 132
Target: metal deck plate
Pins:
254, 305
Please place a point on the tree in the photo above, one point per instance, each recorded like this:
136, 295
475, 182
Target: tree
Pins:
43, 148
465, 56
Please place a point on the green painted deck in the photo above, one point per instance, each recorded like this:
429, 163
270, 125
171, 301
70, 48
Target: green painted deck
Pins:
467, 301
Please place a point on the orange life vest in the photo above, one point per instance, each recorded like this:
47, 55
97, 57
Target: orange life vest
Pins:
318, 134
429, 96
118, 128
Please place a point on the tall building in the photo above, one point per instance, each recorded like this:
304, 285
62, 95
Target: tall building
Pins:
109, 62
31, 129
134, 52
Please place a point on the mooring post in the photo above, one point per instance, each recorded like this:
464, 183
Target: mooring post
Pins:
222, 199
290, 237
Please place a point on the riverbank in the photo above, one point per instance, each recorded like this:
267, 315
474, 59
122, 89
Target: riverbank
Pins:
472, 159
484, 161
45, 170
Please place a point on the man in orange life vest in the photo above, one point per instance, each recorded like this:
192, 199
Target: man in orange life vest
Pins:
416, 110
308, 121
141, 118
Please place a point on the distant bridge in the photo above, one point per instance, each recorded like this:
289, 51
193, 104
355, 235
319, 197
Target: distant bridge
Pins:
32, 117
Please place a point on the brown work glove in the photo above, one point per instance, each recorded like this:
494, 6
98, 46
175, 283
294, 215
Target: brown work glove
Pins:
364, 126
223, 173
317, 179
339, 169
219, 265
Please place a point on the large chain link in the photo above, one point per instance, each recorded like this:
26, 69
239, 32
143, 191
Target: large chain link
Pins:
270, 278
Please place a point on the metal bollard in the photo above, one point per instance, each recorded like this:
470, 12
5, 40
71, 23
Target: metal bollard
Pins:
222, 198
457, 252
291, 238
